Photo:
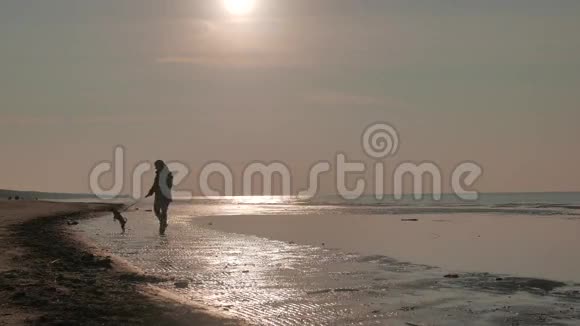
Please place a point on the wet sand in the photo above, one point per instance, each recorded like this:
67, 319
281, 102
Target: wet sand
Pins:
48, 277
285, 276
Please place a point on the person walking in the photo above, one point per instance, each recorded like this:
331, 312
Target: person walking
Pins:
161, 188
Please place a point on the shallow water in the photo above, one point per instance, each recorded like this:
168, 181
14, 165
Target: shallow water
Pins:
526, 246
271, 282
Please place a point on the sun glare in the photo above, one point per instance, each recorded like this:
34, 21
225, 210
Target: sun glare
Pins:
239, 7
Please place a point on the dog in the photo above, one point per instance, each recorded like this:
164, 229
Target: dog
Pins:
118, 217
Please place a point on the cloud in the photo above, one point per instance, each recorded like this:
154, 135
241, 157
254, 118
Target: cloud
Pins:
235, 60
238, 46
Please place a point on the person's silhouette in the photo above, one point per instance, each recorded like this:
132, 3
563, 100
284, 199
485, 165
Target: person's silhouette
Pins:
162, 190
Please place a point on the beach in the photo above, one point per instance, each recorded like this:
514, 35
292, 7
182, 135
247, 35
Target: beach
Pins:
49, 277
229, 263
290, 162
295, 264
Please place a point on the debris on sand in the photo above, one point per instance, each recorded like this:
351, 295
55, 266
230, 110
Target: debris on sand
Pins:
181, 284
90, 260
451, 276
409, 220
319, 292
531, 284
509, 285
408, 308
71, 222
104, 263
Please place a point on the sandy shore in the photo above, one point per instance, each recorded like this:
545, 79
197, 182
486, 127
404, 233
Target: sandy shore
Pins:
49, 277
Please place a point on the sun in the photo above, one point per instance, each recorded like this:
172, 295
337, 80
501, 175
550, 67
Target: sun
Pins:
239, 7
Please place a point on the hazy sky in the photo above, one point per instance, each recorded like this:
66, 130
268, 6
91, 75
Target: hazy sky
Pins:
494, 81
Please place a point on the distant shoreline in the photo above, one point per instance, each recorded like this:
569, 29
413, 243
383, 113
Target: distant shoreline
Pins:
48, 276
